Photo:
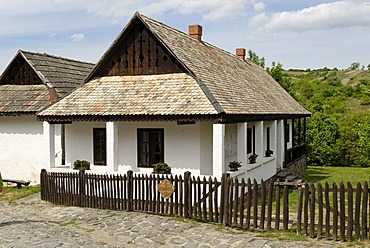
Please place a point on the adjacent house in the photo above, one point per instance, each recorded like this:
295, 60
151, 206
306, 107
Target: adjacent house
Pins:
30, 83
158, 94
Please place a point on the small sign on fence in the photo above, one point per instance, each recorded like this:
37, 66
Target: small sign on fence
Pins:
166, 188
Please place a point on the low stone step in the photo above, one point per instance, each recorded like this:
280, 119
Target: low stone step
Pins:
291, 178
283, 174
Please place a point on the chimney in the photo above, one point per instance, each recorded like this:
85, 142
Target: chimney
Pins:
195, 31
240, 52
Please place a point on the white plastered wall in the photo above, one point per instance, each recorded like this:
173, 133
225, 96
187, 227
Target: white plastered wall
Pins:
24, 148
186, 147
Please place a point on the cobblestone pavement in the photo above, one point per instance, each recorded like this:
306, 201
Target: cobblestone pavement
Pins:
34, 223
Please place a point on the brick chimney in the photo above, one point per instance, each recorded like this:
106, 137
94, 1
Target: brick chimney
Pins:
195, 31
240, 52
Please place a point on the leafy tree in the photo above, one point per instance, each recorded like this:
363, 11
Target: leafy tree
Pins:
322, 135
254, 58
368, 67
354, 133
362, 131
354, 66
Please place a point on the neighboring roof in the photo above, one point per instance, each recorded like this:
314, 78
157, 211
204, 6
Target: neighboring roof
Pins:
231, 85
47, 71
64, 74
22, 99
166, 94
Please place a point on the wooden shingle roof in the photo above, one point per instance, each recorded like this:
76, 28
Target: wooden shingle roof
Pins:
25, 83
233, 87
62, 73
22, 99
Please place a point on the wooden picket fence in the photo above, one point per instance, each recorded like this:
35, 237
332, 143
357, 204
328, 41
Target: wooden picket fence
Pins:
324, 212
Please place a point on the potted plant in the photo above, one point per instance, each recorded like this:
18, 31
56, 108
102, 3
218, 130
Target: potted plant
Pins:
253, 158
81, 165
234, 165
162, 168
269, 152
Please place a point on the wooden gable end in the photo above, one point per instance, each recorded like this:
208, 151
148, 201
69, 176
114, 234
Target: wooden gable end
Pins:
139, 52
19, 72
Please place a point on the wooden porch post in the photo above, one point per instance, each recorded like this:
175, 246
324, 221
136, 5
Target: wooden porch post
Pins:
285, 143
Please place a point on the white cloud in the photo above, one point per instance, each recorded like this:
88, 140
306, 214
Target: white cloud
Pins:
340, 14
210, 10
77, 37
259, 6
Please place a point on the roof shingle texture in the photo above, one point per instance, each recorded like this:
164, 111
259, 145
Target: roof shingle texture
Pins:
232, 85
166, 94
23, 98
238, 86
64, 74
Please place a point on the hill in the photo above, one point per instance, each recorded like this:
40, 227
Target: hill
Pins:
338, 133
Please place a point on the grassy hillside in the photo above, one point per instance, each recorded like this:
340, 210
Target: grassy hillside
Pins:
339, 130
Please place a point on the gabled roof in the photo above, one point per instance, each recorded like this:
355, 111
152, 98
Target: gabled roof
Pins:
22, 99
232, 86
26, 81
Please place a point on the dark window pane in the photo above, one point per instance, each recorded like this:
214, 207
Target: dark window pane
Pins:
100, 146
249, 140
268, 138
150, 146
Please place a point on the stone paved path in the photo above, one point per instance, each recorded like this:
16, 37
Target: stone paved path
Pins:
34, 223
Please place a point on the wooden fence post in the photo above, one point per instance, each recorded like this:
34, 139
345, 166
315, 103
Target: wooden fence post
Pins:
350, 211
130, 188
364, 210
225, 199
300, 204
342, 214
187, 196
285, 208
81, 193
43, 184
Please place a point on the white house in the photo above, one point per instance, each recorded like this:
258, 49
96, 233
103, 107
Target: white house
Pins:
158, 94
30, 83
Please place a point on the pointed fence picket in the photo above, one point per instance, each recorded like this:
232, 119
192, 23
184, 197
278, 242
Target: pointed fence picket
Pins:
330, 211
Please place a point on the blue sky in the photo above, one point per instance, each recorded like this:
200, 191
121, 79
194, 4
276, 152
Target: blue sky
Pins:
298, 34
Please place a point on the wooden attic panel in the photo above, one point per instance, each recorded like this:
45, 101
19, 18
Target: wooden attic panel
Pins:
139, 53
20, 73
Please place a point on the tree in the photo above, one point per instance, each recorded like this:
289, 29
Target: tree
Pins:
254, 58
354, 66
322, 134
368, 67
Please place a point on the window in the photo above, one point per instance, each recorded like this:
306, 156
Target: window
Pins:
287, 133
150, 148
268, 138
251, 132
100, 146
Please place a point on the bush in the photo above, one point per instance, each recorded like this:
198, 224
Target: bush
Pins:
162, 167
81, 163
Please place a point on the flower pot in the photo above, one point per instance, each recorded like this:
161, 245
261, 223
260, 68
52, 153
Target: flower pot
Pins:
81, 168
233, 169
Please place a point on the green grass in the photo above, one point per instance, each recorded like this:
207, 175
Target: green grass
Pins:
324, 174
12, 194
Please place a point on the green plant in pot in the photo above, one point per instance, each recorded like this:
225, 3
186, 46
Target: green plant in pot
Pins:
81, 165
162, 168
253, 158
269, 152
234, 165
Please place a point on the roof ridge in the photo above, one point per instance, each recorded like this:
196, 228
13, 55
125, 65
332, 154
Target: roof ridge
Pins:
56, 57
191, 38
